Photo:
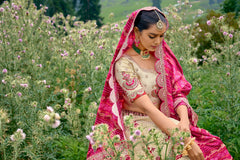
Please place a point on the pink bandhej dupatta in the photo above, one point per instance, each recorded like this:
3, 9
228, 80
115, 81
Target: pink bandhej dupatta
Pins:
173, 91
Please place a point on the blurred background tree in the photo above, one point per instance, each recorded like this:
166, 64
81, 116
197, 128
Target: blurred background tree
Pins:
211, 2
84, 10
157, 3
89, 10
231, 6
56, 6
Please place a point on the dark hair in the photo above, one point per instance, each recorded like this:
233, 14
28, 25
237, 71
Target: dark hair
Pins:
145, 19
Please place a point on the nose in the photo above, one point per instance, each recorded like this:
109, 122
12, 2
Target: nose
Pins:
158, 40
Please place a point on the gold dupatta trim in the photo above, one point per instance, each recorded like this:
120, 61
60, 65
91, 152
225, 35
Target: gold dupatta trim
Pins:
161, 80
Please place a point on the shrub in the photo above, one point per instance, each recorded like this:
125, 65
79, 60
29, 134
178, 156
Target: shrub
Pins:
209, 30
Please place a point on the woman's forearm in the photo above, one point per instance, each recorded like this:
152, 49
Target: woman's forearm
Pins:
162, 121
182, 113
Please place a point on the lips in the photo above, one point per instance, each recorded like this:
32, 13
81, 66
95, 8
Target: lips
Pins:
154, 47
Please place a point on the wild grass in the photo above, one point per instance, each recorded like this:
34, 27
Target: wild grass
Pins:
53, 71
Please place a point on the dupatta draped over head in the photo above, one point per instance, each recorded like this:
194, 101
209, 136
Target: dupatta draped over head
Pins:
173, 86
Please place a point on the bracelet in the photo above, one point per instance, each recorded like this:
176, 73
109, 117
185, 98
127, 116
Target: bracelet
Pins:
188, 147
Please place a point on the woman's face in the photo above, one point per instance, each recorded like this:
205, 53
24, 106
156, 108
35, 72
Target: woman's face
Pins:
150, 38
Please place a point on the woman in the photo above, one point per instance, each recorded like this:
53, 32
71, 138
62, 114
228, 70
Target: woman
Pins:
146, 80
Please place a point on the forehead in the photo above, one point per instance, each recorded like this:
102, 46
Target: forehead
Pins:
154, 30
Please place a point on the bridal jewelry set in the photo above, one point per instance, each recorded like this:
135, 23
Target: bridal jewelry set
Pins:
145, 53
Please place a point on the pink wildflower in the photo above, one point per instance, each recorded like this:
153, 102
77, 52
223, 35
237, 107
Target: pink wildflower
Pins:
89, 89
39, 65
4, 70
24, 85
23, 135
12, 138
209, 22
225, 33
56, 124
3, 81
57, 116
19, 130
132, 138
195, 60
44, 81
214, 59
47, 118
220, 18
138, 132
1, 9
92, 53
19, 94
230, 36
50, 109
93, 127
228, 74
89, 137
98, 68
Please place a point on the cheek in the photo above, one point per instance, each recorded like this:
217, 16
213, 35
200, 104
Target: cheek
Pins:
147, 40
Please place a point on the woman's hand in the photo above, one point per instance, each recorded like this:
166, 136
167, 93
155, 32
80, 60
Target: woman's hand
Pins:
195, 153
183, 125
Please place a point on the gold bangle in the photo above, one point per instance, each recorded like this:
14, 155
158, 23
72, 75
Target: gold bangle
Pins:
188, 147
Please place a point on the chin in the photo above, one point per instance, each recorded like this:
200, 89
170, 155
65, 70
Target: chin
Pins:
152, 50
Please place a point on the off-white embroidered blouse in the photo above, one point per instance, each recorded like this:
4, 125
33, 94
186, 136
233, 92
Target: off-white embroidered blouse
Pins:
136, 81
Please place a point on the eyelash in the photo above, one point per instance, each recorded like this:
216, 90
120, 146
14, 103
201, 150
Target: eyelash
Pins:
155, 37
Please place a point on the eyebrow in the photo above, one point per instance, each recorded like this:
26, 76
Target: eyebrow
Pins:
157, 34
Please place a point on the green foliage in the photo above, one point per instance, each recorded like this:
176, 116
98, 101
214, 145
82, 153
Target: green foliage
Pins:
157, 3
215, 92
231, 6
45, 61
141, 139
70, 148
207, 35
90, 10
56, 6
117, 10
41, 57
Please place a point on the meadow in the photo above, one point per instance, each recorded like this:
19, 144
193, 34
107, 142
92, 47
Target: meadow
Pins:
117, 10
53, 71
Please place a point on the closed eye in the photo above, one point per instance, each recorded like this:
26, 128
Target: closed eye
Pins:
152, 37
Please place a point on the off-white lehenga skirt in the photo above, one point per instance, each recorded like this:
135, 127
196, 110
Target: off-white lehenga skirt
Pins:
146, 124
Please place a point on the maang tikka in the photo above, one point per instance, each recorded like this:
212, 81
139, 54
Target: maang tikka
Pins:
159, 23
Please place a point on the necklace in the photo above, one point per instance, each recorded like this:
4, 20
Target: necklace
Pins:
144, 54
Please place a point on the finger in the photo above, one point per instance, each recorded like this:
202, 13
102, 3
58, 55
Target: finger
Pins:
202, 157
